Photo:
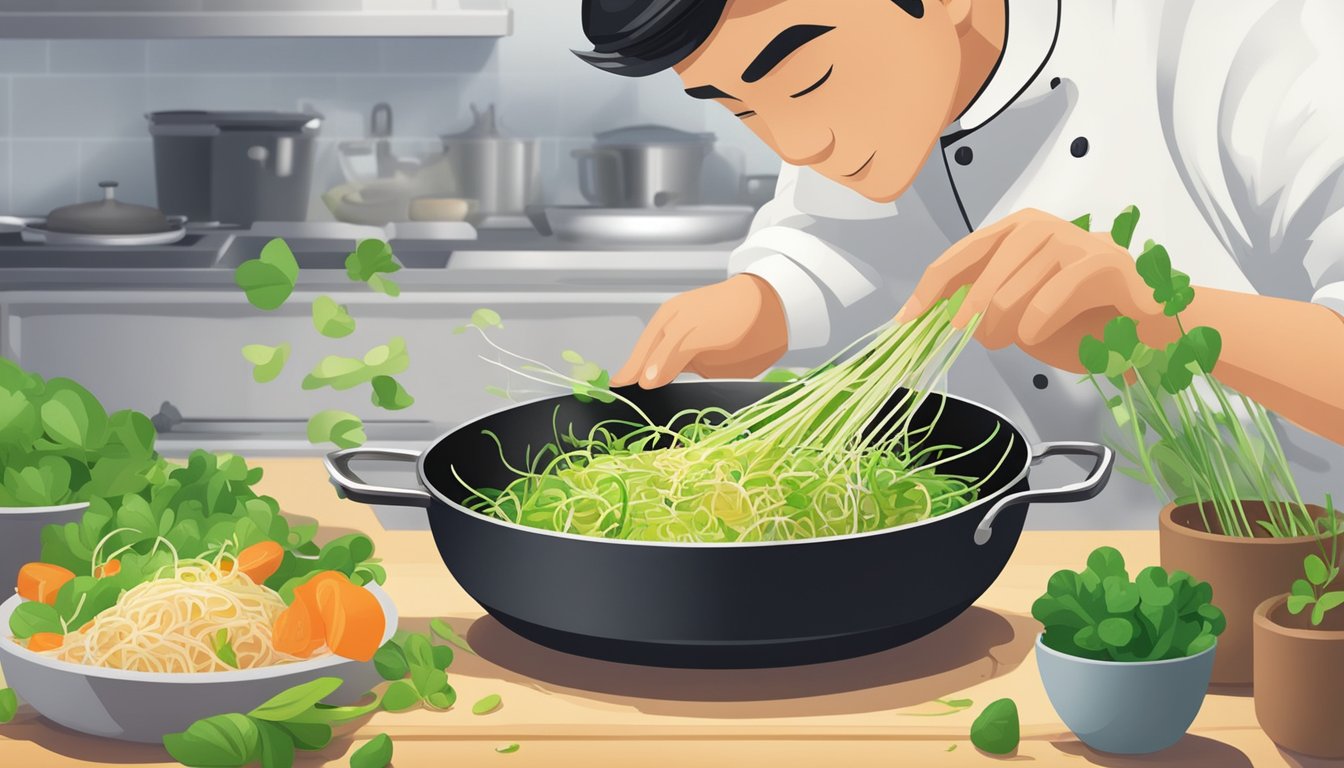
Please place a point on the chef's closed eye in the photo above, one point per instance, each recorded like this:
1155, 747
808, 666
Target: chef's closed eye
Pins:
815, 85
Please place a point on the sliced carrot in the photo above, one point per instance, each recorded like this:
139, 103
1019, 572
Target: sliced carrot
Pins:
110, 568
226, 565
307, 591
297, 630
261, 561
353, 619
45, 641
40, 582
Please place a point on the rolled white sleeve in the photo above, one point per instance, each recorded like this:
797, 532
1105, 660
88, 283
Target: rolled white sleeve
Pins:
810, 243
1281, 125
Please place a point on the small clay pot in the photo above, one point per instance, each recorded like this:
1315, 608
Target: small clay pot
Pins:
1299, 679
1243, 572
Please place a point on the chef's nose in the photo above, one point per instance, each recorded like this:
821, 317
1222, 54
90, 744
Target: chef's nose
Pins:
802, 144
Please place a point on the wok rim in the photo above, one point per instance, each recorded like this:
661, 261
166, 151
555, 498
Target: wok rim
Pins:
436, 496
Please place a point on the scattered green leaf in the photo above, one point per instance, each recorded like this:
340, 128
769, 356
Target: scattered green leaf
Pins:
267, 362
331, 319
9, 705
443, 630
269, 280
487, 705
341, 428
507, 749
997, 731
377, 753
388, 394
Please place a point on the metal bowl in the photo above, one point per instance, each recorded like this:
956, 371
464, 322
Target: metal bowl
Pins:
143, 706
21, 536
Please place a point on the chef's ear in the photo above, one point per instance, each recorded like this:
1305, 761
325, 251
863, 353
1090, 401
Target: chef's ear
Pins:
959, 11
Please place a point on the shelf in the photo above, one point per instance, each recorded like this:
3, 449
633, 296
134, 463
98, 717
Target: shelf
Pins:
493, 22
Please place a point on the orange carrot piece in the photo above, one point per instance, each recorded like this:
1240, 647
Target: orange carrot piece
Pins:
261, 561
307, 591
353, 619
45, 641
110, 568
297, 630
40, 582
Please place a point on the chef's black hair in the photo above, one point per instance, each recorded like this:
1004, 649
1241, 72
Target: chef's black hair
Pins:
636, 38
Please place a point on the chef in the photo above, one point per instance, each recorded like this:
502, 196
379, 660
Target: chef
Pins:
927, 144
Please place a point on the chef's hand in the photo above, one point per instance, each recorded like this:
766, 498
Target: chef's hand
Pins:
1042, 284
732, 329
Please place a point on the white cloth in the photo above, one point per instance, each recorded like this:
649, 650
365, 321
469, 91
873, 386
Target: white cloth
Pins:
1222, 120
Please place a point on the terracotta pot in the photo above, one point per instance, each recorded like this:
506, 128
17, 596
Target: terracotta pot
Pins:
1299, 679
1244, 572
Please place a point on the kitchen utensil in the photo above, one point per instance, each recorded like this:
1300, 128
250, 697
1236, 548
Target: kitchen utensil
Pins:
721, 605
373, 203
234, 167
143, 706
502, 174
687, 225
107, 222
643, 166
21, 537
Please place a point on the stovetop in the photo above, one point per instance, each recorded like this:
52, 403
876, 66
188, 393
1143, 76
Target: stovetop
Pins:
316, 245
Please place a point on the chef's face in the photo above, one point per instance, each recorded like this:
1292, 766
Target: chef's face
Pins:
859, 90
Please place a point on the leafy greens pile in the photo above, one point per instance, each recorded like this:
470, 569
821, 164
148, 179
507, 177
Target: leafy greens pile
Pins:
822, 456
58, 445
1098, 613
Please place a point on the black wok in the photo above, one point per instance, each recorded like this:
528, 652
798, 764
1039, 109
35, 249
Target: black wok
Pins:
720, 605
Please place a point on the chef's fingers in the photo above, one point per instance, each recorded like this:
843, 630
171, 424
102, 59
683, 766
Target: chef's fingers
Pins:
724, 365
638, 360
668, 358
1081, 287
1017, 248
999, 325
957, 266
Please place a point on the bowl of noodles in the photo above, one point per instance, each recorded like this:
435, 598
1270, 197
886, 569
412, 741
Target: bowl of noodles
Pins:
200, 639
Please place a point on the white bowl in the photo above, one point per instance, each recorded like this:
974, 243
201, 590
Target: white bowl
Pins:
21, 536
143, 706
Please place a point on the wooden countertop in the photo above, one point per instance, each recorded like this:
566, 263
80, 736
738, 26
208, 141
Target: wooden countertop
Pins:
568, 711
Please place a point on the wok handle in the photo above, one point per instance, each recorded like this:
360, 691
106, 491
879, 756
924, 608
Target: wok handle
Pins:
1080, 491
338, 466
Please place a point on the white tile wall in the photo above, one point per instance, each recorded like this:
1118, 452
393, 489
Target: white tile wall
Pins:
72, 111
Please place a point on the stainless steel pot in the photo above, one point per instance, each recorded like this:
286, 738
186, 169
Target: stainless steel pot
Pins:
234, 167
644, 166
502, 174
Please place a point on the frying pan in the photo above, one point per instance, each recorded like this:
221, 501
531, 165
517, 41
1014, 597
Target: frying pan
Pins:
714, 605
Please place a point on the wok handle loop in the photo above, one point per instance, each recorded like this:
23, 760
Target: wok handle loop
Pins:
352, 487
1088, 488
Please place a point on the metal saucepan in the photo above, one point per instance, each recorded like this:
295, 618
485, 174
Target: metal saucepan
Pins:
502, 174
720, 605
104, 223
645, 166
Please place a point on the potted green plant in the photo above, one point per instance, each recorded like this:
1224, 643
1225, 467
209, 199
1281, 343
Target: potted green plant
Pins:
1126, 663
59, 449
1299, 656
1232, 512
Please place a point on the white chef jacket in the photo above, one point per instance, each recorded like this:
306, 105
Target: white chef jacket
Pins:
1222, 120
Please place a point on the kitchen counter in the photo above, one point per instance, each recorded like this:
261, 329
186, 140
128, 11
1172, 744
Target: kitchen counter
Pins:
568, 711
513, 259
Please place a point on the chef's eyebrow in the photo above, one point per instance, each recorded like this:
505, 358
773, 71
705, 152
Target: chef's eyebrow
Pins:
708, 92
778, 50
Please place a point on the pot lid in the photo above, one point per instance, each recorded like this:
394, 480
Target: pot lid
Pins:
651, 134
236, 121
108, 216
